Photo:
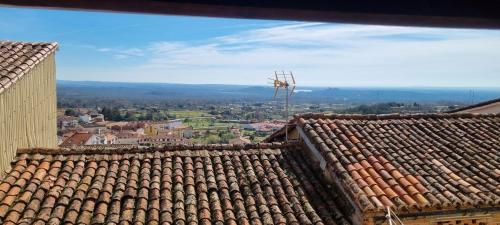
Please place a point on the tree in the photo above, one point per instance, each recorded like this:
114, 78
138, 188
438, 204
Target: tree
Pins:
213, 139
149, 116
129, 116
71, 112
116, 115
107, 113
112, 114
226, 136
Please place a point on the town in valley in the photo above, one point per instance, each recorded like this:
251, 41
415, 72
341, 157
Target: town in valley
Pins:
92, 113
123, 117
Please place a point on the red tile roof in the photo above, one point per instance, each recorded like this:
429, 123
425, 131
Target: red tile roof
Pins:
17, 58
212, 184
77, 139
411, 161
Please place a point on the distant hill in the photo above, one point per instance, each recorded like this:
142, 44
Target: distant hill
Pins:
221, 92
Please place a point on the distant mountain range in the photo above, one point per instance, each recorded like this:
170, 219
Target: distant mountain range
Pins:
221, 92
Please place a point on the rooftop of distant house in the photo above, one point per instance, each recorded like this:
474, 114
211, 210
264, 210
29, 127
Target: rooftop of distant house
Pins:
78, 138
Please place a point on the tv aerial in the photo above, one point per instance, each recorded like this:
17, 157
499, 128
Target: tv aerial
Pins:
283, 81
286, 82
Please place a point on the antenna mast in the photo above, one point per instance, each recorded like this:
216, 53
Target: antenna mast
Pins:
392, 218
284, 81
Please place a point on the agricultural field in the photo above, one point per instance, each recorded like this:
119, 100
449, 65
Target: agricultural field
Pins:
208, 123
181, 114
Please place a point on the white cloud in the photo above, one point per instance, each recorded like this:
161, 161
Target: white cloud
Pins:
131, 52
122, 53
120, 56
328, 54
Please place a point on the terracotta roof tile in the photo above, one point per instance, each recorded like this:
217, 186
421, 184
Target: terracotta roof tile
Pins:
77, 139
253, 184
423, 160
17, 58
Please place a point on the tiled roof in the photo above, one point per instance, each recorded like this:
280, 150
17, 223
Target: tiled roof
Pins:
17, 58
100, 147
480, 104
77, 139
411, 162
213, 184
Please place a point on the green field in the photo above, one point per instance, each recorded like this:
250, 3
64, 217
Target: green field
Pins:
247, 132
199, 123
208, 123
187, 113
168, 115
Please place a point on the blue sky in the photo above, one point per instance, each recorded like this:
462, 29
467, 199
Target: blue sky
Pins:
176, 49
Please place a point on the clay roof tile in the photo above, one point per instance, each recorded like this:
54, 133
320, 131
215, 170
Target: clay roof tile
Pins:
186, 186
16, 59
423, 159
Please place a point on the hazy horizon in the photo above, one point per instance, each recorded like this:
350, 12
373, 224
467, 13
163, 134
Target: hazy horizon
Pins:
121, 47
298, 86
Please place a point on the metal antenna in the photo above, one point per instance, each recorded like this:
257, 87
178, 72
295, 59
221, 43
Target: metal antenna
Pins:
392, 218
284, 81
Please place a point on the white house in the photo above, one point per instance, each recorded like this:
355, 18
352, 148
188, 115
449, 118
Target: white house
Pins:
85, 118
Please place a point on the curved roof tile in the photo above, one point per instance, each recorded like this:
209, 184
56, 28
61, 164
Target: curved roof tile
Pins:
211, 184
17, 58
411, 161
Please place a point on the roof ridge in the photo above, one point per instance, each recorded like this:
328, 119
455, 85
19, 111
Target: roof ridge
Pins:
475, 105
25, 59
30, 42
392, 116
104, 150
